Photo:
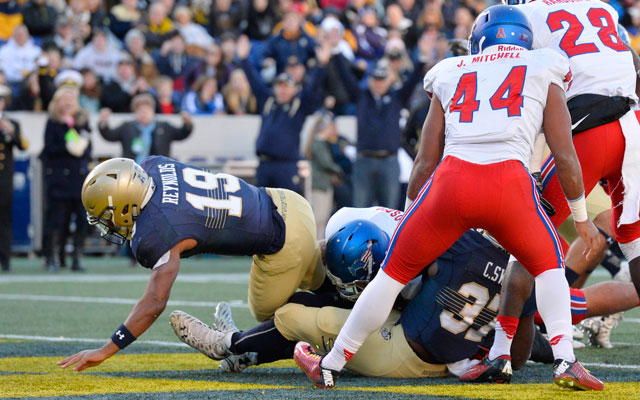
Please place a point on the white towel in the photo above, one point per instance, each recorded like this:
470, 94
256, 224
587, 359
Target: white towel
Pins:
630, 169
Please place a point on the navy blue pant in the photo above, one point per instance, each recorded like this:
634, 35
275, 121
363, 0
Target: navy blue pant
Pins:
376, 181
279, 174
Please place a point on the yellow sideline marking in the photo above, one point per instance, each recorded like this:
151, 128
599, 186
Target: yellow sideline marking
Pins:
79, 384
529, 391
126, 363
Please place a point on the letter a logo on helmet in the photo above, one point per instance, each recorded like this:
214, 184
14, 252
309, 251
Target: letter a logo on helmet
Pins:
501, 34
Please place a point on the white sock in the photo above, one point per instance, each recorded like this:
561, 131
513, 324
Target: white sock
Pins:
554, 306
369, 313
506, 328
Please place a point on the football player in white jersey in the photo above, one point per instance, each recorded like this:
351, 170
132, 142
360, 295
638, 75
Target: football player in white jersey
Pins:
486, 111
601, 100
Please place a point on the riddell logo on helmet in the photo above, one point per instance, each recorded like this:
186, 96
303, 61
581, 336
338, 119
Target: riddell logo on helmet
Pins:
507, 48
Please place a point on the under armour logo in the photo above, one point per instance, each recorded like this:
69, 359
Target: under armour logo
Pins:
501, 34
120, 334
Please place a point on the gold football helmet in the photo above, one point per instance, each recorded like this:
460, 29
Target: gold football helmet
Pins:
113, 194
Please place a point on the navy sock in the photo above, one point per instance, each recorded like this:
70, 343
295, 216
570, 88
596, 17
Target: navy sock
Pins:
611, 262
571, 276
265, 340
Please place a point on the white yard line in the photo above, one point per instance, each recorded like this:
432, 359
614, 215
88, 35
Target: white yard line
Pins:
632, 320
114, 300
614, 366
240, 278
86, 340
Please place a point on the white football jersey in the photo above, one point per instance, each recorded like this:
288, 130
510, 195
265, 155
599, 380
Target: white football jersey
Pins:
494, 101
585, 31
386, 218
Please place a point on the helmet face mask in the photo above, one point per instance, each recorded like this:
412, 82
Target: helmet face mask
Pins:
108, 230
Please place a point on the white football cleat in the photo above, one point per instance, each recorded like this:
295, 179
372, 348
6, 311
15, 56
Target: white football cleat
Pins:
577, 333
199, 335
238, 363
222, 319
598, 329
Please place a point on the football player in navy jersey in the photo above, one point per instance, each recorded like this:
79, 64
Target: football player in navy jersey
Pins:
171, 210
449, 320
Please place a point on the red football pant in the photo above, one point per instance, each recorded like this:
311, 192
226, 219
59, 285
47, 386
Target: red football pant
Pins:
501, 198
600, 151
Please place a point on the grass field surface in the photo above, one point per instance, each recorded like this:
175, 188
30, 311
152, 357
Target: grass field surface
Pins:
46, 317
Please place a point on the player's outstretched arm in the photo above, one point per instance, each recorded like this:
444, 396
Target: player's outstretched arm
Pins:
143, 315
431, 148
557, 130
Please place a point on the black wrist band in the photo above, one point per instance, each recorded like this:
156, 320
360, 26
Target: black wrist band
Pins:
122, 337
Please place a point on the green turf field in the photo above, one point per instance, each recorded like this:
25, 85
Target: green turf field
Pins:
45, 317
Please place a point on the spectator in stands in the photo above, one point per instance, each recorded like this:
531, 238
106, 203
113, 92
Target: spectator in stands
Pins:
464, 21
371, 37
398, 60
411, 10
18, 57
204, 98
118, 92
196, 36
159, 27
142, 60
79, 18
39, 18
225, 16
172, 61
237, 95
211, 66
65, 156
166, 99
10, 18
65, 39
90, 91
144, 136
396, 21
123, 17
228, 46
296, 69
10, 137
38, 87
376, 170
291, 41
284, 109
99, 56
98, 12
261, 19
325, 172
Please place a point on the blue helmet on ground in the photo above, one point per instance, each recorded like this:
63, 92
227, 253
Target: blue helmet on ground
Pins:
354, 255
500, 25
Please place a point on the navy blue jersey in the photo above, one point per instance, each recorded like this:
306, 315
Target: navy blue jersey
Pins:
454, 310
224, 214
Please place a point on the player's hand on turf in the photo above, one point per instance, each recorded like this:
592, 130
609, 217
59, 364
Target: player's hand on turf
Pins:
85, 359
593, 241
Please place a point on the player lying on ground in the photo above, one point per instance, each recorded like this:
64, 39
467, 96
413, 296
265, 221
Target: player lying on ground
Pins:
436, 328
601, 101
485, 113
171, 210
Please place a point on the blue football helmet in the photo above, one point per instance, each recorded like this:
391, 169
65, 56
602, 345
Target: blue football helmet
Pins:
624, 35
354, 255
500, 25
515, 2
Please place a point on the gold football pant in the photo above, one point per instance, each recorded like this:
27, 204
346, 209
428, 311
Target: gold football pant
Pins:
385, 353
298, 265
